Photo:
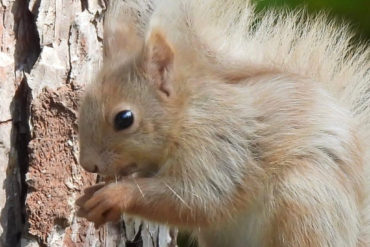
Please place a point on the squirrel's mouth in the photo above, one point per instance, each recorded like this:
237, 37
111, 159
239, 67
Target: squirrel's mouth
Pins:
128, 170
133, 170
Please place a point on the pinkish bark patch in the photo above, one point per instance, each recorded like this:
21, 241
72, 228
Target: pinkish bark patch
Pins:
54, 178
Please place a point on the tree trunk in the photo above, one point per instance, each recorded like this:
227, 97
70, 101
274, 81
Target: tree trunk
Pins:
49, 51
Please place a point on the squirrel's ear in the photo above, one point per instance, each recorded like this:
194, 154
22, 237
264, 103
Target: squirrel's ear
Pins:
159, 58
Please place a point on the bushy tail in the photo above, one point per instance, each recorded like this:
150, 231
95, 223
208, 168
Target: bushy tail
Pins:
232, 38
230, 35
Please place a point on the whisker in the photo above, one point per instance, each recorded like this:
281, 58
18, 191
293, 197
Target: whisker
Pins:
138, 186
178, 196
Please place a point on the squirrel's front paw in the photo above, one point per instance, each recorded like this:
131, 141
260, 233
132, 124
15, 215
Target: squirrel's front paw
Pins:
103, 203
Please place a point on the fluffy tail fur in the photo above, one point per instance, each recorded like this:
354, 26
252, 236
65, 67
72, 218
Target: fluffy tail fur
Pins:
230, 33
236, 42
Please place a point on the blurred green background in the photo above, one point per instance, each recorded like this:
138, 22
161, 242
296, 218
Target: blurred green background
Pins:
355, 12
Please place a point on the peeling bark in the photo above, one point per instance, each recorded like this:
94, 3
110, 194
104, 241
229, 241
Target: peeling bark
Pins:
49, 50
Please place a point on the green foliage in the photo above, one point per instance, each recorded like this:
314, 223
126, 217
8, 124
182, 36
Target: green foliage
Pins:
356, 12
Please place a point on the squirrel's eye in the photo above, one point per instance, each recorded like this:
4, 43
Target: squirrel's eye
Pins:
123, 120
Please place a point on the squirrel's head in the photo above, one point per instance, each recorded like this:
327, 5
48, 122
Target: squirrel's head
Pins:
128, 114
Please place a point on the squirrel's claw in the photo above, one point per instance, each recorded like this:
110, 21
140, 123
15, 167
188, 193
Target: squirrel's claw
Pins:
101, 204
88, 193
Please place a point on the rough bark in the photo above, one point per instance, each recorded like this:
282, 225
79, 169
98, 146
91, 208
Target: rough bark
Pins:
48, 52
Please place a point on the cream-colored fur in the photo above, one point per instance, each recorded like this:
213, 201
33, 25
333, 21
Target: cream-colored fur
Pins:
249, 130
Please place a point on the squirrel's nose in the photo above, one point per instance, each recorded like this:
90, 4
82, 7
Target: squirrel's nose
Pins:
93, 169
89, 164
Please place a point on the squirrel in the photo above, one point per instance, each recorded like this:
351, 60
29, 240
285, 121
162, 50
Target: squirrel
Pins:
247, 130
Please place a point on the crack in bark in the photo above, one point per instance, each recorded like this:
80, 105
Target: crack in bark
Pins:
137, 241
6, 121
27, 47
27, 51
68, 80
85, 5
155, 242
16, 187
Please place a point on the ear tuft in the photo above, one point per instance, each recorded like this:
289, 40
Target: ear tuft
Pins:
121, 41
123, 31
159, 62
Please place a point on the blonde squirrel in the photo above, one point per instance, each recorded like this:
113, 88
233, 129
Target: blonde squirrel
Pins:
249, 131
